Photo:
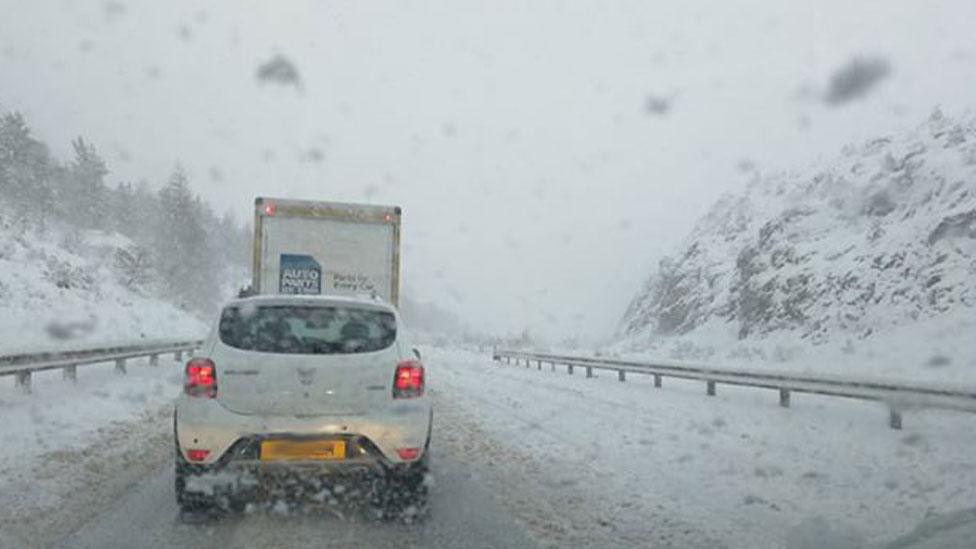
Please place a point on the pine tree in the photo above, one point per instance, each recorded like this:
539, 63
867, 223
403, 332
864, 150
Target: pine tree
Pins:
25, 171
123, 208
146, 211
87, 174
186, 258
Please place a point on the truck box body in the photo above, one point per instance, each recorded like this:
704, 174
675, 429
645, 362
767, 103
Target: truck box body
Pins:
326, 248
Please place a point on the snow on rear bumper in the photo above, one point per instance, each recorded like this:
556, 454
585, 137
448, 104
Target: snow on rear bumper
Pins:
205, 424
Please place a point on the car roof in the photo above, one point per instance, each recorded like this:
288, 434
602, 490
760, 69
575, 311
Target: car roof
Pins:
315, 300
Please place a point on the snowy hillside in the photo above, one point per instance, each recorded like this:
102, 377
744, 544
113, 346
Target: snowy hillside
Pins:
70, 288
874, 250
83, 261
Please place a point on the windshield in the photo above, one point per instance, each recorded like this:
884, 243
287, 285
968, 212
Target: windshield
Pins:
488, 274
289, 329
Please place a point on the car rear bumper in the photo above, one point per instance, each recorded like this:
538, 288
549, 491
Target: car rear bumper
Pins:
231, 438
233, 483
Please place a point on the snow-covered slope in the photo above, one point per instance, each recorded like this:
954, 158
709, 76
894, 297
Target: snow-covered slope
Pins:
66, 289
878, 243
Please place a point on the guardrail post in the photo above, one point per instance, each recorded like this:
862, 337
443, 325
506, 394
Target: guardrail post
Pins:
178, 356
894, 419
70, 373
154, 360
553, 366
23, 381
657, 380
784, 398
120, 365
710, 388
589, 371
540, 365
569, 369
621, 375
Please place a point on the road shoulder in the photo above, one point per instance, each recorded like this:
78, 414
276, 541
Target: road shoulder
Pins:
52, 496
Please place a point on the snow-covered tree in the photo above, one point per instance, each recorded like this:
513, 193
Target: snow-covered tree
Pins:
25, 172
87, 177
180, 248
123, 208
185, 256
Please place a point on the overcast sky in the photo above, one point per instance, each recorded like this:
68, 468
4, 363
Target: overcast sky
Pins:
546, 153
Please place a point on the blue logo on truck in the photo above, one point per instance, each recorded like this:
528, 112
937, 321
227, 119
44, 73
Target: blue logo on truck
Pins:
299, 274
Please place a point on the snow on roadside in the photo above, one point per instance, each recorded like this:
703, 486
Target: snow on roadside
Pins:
59, 415
67, 445
61, 291
945, 531
937, 350
735, 467
69, 442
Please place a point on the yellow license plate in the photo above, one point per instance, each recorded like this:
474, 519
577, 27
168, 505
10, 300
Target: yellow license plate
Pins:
302, 450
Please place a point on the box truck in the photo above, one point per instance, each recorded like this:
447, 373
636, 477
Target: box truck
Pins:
326, 248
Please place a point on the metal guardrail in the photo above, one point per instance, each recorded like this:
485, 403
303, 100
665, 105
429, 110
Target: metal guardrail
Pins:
21, 366
899, 397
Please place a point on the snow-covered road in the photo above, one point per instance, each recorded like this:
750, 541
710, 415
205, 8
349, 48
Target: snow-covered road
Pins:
117, 491
671, 466
524, 458
146, 516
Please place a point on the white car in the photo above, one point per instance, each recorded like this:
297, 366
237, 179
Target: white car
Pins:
304, 396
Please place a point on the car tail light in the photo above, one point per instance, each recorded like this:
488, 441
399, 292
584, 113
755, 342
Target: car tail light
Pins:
408, 454
409, 379
201, 378
197, 455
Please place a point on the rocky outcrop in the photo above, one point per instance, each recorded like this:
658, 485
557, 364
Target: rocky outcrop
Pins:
882, 235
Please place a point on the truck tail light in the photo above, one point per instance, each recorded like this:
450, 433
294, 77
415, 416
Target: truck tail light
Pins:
408, 454
197, 455
201, 378
409, 379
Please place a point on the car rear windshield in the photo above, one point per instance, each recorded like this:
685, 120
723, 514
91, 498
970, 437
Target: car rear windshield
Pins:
305, 329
